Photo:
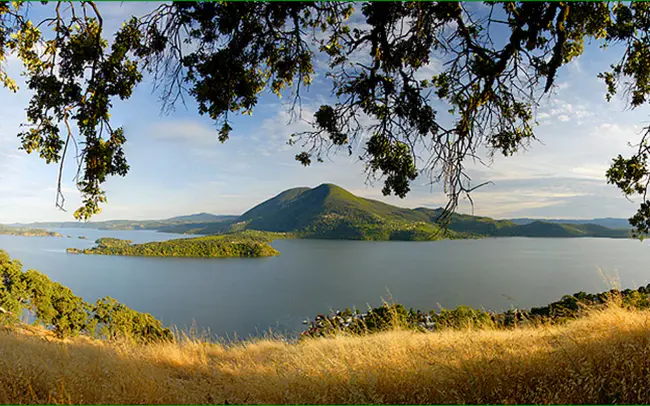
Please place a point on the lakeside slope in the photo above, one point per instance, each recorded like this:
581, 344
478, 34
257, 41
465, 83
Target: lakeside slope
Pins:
601, 358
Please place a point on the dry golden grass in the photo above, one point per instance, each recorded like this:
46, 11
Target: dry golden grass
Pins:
602, 358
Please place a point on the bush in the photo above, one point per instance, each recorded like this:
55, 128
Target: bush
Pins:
388, 316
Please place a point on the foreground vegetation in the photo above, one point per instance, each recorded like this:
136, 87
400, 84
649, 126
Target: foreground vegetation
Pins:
27, 232
570, 307
249, 244
585, 348
600, 358
55, 307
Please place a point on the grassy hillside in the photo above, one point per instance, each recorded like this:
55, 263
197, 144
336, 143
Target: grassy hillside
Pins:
599, 359
329, 211
299, 208
248, 244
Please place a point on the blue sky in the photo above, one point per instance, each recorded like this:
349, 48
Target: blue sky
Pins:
178, 167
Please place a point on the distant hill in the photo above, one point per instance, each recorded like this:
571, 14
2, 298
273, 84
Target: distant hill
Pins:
27, 232
543, 229
201, 218
329, 211
136, 224
609, 222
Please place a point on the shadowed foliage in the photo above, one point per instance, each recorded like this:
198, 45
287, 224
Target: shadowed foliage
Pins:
496, 61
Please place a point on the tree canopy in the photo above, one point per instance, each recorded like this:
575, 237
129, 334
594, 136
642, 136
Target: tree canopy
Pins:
58, 309
498, 62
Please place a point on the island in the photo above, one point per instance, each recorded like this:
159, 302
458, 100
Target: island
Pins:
246, 244
27, 232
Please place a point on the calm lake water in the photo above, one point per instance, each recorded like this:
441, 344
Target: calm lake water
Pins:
249, 296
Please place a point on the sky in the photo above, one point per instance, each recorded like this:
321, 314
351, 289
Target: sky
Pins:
178, 167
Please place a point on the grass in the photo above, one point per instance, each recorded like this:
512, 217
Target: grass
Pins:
601, 358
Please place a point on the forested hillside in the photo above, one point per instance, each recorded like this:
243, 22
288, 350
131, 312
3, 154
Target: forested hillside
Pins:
329, 211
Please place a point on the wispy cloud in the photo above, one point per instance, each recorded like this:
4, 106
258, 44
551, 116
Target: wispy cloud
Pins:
185, 132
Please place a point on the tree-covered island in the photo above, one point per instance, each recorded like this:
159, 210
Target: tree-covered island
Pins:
247, 244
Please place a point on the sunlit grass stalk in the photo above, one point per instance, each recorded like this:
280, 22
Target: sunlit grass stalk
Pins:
603, 357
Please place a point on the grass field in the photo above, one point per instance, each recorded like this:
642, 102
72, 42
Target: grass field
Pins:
601, 358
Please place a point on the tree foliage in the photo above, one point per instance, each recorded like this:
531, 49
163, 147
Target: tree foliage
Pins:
228, 245
393, 315
57, 308
498, 61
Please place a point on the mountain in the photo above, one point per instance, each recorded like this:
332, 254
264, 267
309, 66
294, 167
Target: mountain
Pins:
609, 222
329, 211
298, 208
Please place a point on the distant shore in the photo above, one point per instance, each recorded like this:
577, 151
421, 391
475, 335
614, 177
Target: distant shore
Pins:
27, 232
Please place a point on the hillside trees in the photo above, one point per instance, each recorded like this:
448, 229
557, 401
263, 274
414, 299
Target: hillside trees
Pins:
497, 62
227, 245
57, 308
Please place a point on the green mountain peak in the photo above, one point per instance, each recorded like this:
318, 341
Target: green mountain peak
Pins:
330, 211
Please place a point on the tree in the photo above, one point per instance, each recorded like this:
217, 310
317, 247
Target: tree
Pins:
58, 309
12, 288
225, 55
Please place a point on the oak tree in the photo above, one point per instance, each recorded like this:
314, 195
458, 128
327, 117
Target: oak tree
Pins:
498, 61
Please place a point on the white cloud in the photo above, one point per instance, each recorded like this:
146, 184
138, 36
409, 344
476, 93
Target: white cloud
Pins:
590, 171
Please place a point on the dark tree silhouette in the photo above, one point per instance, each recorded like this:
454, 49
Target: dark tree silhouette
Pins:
498, 62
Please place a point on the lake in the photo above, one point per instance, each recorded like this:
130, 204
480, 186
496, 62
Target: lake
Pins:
239, 297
